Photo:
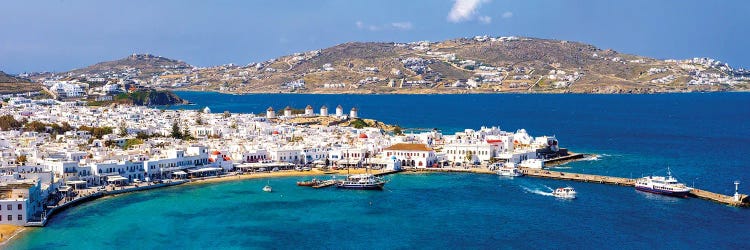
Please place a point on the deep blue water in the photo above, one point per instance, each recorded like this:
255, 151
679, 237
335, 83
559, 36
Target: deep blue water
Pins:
704, 138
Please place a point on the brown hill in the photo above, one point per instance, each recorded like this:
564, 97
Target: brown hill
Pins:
141, 64
499, 65
13, 84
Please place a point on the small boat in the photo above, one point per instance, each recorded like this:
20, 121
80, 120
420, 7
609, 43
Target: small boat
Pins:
267, 188
664, 185
509, 170
565, 193
309, 183
362, 181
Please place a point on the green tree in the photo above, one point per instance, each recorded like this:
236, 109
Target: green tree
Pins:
131, 142
123, 128
7, 122
469, 155
21, 159
397, 131
36, 126
176, 133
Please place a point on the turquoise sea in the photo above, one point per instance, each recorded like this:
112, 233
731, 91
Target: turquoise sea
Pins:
703, 138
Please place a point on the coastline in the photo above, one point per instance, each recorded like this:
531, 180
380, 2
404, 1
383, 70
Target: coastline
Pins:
460, 93
13, 232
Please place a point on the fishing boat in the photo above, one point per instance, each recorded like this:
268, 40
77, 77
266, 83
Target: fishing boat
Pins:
362, 181
565, 193
664, 185
509, 170
309, 183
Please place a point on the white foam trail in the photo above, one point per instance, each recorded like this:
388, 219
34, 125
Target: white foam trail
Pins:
591, 158
562, 167
536, 191
548, 188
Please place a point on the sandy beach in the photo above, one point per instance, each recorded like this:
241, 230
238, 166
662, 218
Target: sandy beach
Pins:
9, 232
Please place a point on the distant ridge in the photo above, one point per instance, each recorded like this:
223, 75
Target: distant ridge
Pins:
14, 84
146, 63
479, 64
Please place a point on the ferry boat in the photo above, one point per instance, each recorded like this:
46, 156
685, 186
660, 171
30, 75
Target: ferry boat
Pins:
509, 170
309, 183
362, 181
565, 193
665, 185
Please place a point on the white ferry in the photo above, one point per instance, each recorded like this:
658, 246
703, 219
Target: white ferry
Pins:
565, 193
362, 181
509, 170
665, 185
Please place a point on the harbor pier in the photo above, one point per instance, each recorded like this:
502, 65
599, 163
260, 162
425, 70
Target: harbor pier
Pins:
742, 201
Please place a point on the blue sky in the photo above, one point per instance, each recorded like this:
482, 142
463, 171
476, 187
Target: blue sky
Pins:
59, 35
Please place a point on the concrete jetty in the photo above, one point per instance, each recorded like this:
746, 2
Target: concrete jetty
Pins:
744, 200
698, 193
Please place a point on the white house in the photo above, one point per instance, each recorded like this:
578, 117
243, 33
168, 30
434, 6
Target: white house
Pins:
412, 154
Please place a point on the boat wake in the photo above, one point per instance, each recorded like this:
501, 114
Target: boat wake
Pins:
562, 167
592, 158
538, 191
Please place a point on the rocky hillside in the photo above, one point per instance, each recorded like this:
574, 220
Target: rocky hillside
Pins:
465, 65
14, 84
150, 98
468, 65
134, 65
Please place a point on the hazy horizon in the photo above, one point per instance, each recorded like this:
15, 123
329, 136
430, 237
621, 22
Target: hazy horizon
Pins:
64, 35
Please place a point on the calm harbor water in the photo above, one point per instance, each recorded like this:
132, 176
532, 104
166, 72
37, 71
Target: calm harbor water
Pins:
704, 138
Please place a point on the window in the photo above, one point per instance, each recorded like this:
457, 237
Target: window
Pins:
10, 207
20, 217
10, 217
20, 207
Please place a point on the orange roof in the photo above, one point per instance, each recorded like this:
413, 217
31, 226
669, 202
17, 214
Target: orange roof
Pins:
363, 136
216, 153
409, 147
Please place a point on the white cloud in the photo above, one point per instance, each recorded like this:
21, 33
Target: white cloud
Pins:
485, 19
391, 26
464, 10
507, 14
402, 25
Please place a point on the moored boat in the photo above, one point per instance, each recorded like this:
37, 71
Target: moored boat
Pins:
362, 181
664, 185
509, 170
309, 183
